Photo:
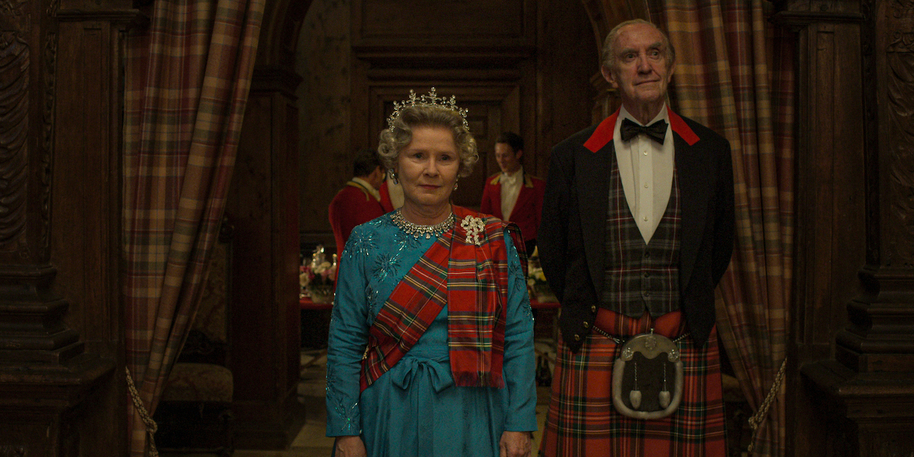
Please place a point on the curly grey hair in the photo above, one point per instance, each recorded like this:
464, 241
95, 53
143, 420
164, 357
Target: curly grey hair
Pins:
398, 137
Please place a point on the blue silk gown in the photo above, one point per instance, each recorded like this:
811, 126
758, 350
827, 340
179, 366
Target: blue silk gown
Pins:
415, 409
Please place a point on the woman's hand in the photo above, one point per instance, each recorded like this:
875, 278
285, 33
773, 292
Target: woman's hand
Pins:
350, 446
515, 444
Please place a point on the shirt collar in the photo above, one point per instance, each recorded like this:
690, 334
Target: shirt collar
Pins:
624, 114
512, 177
374, 192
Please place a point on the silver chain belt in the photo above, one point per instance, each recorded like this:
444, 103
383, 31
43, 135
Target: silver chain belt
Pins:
620, 341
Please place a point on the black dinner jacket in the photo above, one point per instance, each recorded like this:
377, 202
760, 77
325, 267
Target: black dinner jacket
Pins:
573, 226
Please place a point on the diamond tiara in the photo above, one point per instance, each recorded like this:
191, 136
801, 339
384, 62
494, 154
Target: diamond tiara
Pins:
432, 99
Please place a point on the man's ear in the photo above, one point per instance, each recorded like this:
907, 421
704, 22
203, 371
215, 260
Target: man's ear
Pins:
608, 76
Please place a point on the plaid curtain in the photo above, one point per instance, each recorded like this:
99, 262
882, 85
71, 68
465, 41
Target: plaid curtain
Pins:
734, 72
187, 81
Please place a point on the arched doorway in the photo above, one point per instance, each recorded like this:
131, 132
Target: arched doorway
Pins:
325, 77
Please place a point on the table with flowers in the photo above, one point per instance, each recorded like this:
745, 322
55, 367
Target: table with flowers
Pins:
317, 278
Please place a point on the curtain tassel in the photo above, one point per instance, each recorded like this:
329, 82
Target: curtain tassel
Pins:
756, 420
151, 426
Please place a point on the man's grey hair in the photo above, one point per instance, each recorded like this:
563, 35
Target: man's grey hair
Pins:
608, 58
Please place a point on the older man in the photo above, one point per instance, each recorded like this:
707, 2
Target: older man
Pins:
637, 230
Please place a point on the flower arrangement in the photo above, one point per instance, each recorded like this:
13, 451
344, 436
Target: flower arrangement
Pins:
535, 277
318, 277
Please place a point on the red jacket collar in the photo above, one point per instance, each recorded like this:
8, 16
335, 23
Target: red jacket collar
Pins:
604, 132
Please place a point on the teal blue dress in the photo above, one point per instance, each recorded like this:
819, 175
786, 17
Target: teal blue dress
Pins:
415, 409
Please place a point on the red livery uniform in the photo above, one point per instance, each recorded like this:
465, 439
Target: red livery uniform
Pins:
354, 204
527, 209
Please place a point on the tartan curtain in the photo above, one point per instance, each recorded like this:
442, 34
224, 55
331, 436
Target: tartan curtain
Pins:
187, 81
734, 73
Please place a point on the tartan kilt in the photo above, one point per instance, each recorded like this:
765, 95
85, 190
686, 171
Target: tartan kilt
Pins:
582, 421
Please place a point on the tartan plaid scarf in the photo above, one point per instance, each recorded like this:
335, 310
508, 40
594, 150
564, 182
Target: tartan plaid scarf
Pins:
467, 273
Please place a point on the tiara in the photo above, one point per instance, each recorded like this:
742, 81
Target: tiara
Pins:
432, 99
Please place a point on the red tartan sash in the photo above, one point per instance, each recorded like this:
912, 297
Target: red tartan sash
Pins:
473, 281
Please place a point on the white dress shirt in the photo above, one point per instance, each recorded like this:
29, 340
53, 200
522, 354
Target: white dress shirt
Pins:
646, 169
510, 189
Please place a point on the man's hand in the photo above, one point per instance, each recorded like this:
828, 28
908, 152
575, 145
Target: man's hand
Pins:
515, 444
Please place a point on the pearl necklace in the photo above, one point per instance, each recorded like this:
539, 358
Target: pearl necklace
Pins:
417, 230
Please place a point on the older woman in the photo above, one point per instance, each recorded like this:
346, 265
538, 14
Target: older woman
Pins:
431, 342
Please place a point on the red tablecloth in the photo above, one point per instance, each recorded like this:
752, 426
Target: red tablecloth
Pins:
536, 304
308, 304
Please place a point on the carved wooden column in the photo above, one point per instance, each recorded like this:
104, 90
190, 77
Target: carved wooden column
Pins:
865, 390
57, 351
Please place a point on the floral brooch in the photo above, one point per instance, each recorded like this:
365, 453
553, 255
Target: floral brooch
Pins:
473, 226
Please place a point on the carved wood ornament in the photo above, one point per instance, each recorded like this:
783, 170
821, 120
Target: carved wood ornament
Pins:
900, 117
14, 134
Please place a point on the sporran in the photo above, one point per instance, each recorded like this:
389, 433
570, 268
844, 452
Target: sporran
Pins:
647, 377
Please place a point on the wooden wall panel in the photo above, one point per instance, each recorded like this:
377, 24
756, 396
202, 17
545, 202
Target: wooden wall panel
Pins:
325, 151
830, 210
86, 211
567, 61
263, 207
87, 255
249, 208
417, 24
439, 22
830, 173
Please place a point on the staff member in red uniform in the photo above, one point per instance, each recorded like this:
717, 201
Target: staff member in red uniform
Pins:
359, 201
513, 195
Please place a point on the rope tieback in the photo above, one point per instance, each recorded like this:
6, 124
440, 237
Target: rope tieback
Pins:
756, 420
151, 426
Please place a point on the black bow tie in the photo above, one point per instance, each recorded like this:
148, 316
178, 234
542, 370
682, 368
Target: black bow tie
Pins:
631, 129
